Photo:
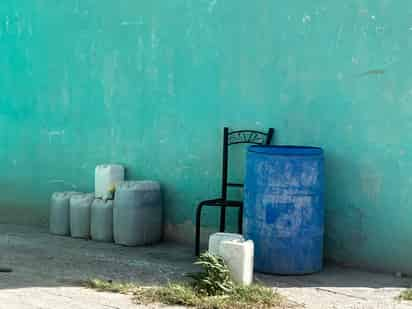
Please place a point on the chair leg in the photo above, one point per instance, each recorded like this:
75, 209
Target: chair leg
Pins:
240, 220
197, 237
222, 219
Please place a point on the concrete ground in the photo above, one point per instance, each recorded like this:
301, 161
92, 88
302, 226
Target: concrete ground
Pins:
48, 269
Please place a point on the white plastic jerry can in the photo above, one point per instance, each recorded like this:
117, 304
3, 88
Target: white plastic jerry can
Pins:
101, 223
238, 255
59, 218
106, 178
216, 238
137, 213
80, 215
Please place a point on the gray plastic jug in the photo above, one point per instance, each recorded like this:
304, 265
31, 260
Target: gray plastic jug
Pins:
80, 215
101, 226
59, 216
137, 214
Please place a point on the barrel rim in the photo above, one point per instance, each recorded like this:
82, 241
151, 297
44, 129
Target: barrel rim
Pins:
286, 150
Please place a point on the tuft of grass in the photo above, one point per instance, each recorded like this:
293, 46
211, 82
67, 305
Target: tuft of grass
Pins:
110, 286
251, 297
257, 296
212, 288
406, 295
172, 294
215, 278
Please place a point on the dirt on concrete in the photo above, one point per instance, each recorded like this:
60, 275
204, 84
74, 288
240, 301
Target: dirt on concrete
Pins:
48, 271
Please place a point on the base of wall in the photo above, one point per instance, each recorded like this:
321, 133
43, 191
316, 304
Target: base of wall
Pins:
21, 215
184, 233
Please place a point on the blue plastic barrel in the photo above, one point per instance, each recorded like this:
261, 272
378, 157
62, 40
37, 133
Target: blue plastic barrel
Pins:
283, 210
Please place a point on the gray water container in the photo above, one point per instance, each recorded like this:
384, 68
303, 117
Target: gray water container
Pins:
59, 216
80, 215
137, 213
101, 226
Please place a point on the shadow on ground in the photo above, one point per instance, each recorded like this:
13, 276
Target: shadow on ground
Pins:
38, 258
49, 265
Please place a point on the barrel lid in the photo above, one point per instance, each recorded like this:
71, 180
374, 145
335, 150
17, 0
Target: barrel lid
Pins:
286, 150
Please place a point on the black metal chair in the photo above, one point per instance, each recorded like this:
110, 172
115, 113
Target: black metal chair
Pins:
231, 138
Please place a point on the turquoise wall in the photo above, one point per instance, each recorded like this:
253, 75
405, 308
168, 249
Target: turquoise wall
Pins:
150, 84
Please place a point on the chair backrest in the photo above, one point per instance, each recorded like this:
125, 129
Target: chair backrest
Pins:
240, 137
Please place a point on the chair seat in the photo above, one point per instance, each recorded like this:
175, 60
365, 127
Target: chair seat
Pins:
222, 202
